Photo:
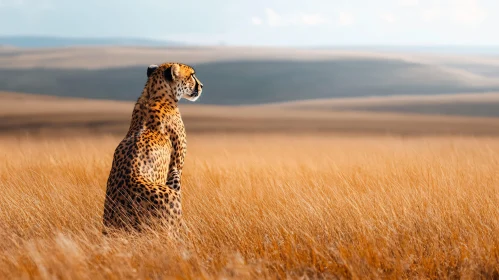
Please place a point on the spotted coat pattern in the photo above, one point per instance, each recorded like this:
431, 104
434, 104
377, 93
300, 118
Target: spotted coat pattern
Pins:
144, 184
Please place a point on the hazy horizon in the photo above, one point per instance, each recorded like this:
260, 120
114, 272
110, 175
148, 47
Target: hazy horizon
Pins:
42, 41
260, 23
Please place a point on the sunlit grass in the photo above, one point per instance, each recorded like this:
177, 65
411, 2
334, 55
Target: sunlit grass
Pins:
260, 206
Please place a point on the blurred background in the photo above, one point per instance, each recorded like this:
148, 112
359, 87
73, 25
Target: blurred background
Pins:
398, 67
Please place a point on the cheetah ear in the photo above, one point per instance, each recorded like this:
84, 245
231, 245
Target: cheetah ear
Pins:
151, 69
172, 72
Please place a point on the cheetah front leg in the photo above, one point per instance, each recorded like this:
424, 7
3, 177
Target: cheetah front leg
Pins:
173, 180
174, 183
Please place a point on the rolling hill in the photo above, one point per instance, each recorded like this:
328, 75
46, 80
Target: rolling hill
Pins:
49, 115
469, 104
259, 82
248, 76
101, 57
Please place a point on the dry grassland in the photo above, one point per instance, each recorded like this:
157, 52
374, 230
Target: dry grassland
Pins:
47, 115
262, 207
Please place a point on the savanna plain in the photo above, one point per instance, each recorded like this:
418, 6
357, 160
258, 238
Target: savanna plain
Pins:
379, 187
261, 206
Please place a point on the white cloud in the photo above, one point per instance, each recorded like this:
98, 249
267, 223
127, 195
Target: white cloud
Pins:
467, 12
274, 19
256, 21
431, 15
345, 19
388, 17
314, 19
408, 3
464, 12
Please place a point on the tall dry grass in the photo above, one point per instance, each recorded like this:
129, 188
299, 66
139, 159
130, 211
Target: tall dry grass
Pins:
262, 207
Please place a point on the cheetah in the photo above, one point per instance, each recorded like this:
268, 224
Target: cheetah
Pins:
144, 184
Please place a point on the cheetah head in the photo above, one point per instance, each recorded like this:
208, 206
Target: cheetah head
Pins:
179, 78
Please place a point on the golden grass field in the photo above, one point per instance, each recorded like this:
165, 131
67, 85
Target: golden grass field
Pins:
262, 206
269, 193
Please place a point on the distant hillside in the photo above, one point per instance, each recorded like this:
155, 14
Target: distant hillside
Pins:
471, 104
54, 42
54, 116
257, 82
437, 49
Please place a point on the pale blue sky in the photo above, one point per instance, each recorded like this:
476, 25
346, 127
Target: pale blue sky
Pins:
261, 22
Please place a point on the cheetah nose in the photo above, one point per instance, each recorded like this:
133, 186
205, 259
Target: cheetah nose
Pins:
201, 85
